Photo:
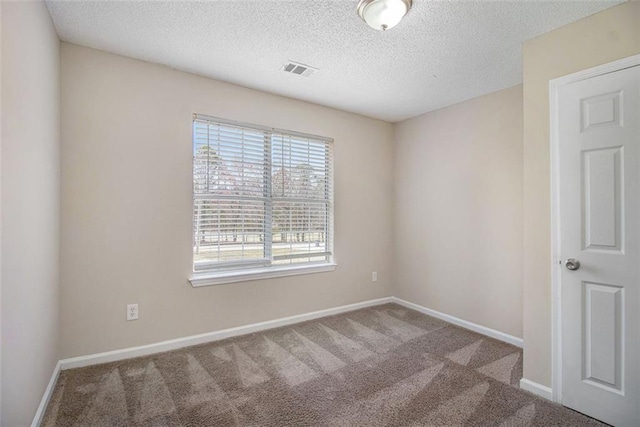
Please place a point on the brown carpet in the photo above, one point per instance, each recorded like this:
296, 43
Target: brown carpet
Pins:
381, 366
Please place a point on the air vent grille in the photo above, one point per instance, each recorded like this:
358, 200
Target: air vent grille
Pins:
300, 69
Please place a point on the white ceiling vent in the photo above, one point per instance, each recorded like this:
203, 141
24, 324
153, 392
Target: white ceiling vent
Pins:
299, 69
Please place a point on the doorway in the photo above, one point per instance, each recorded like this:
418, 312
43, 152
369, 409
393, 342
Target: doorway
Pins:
595, 153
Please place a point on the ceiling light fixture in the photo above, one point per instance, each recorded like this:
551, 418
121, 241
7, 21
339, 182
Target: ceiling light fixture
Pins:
383, 14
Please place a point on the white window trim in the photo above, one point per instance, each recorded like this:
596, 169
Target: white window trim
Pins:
212, 277
209, 278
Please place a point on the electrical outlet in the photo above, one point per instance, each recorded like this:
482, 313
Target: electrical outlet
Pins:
374, 276
132, 312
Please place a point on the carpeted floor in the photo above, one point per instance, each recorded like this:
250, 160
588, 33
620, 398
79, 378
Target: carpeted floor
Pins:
381, 366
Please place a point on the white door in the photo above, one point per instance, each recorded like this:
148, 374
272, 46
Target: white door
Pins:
599, 161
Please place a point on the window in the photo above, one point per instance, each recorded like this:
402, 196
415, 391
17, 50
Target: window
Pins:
262, 201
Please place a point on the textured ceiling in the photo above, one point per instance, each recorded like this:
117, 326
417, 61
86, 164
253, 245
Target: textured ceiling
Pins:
441, 53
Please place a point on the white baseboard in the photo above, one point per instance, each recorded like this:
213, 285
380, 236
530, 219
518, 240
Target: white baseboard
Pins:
537, 389
48, 392
518, 342
145, 350
174, 344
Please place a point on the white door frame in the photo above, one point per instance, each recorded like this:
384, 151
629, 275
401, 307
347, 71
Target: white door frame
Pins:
556, 294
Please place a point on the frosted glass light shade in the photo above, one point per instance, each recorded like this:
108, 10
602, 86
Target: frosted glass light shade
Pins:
383, 14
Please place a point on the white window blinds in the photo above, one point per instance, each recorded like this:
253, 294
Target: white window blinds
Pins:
262, 197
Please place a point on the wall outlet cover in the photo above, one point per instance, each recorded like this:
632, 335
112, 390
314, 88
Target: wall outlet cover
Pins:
132, 312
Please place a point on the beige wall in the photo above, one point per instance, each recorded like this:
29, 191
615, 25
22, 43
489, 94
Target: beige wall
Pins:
458, 210
126, 198
30, 207
598, 39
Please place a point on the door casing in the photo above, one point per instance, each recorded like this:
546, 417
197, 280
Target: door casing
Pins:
556, 277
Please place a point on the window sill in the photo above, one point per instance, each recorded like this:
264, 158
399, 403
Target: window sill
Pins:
209, 279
